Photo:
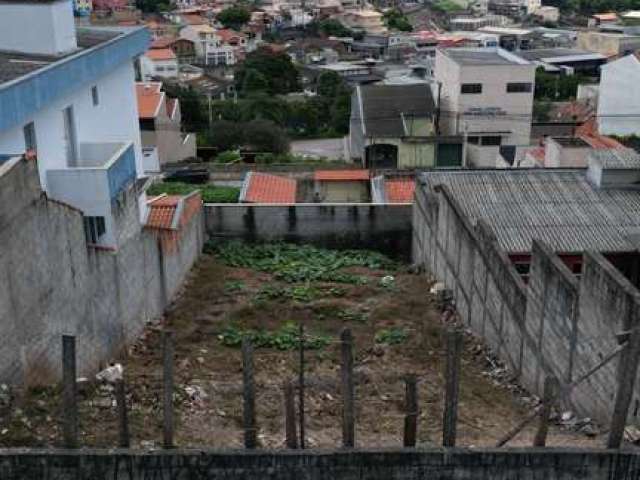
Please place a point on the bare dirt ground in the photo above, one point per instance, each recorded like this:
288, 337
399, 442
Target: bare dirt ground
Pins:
209, 374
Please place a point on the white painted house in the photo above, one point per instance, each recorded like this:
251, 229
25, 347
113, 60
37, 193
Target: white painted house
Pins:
210, 47
619, 97
69, 95
486, 95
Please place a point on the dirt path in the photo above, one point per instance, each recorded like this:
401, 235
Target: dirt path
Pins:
209, 374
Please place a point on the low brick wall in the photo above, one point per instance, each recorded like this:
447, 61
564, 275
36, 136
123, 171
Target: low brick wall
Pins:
386, 228
436, 464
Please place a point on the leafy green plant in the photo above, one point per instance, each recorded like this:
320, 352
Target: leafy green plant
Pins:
233, 286
284, 338
391, 336
210, 193
350, 315
299, 293
301, 263
228, 156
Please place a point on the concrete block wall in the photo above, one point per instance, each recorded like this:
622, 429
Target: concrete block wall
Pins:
52, 283
389, 464
556, 325
380, 227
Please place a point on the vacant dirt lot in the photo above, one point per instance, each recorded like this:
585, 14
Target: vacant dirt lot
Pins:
397, 331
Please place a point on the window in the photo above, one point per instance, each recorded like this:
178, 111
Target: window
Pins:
70, 143
94, 96
491, 141
519, 87
474, 140
159, 69
94, 228
471, 88
30, 137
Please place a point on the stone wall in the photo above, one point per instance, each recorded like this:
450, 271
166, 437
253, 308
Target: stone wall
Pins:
556, 325
399, 464
380, 227
52, 283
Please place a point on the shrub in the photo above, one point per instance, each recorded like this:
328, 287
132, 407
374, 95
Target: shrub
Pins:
210, 193
228, 156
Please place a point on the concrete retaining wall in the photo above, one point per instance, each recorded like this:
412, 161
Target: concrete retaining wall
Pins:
555, 325
453, 464
52, 283
386, 228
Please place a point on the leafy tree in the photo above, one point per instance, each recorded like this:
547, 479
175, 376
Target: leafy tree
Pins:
329, 84
225, 135
191, 106
333, 28
234, 17
254, 81
556, 87
265, 136
277, 68
396, 20
152, 6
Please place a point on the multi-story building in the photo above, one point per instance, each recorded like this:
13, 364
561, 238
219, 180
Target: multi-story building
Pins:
68, 96
486, 94
209, 47
619, 98
364, 20
161, 128
609, 44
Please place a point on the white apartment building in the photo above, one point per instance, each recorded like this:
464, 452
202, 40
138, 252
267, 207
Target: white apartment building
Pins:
619, 97
68, 95
209, 47
486, 95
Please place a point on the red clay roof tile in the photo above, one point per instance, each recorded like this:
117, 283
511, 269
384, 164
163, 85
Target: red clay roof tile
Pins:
265, 188
399, 190
341, 175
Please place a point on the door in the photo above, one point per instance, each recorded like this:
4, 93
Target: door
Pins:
70, 144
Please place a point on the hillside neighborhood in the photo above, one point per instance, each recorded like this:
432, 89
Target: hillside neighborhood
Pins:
319, 239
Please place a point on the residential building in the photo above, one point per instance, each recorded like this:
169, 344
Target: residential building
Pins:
619, 97
609, 44
566, 60
364, 20
394, 126
265, 188
159, 63
514, 8
471, 23
183, 49
486, 95
598, 19
209, 47
536, 259
548, 14
69, 95
511, 38
341, 186
110, 5
161, 128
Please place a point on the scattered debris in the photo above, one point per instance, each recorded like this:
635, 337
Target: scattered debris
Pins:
388, 281
111, 374
632, 434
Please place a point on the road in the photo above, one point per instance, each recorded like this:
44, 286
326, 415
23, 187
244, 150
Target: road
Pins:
330, 148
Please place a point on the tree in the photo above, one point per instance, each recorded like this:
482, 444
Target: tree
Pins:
329, 84
191, 107
225, 135
254, 81
276, 67
556, 87
234, 17
333, 28
396, 20
265, 136
152, 6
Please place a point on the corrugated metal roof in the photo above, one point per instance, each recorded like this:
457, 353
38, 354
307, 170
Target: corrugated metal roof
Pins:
558, 207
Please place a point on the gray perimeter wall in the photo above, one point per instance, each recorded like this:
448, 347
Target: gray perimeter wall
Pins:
386, 228
452, 464
52, 283
557, 324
